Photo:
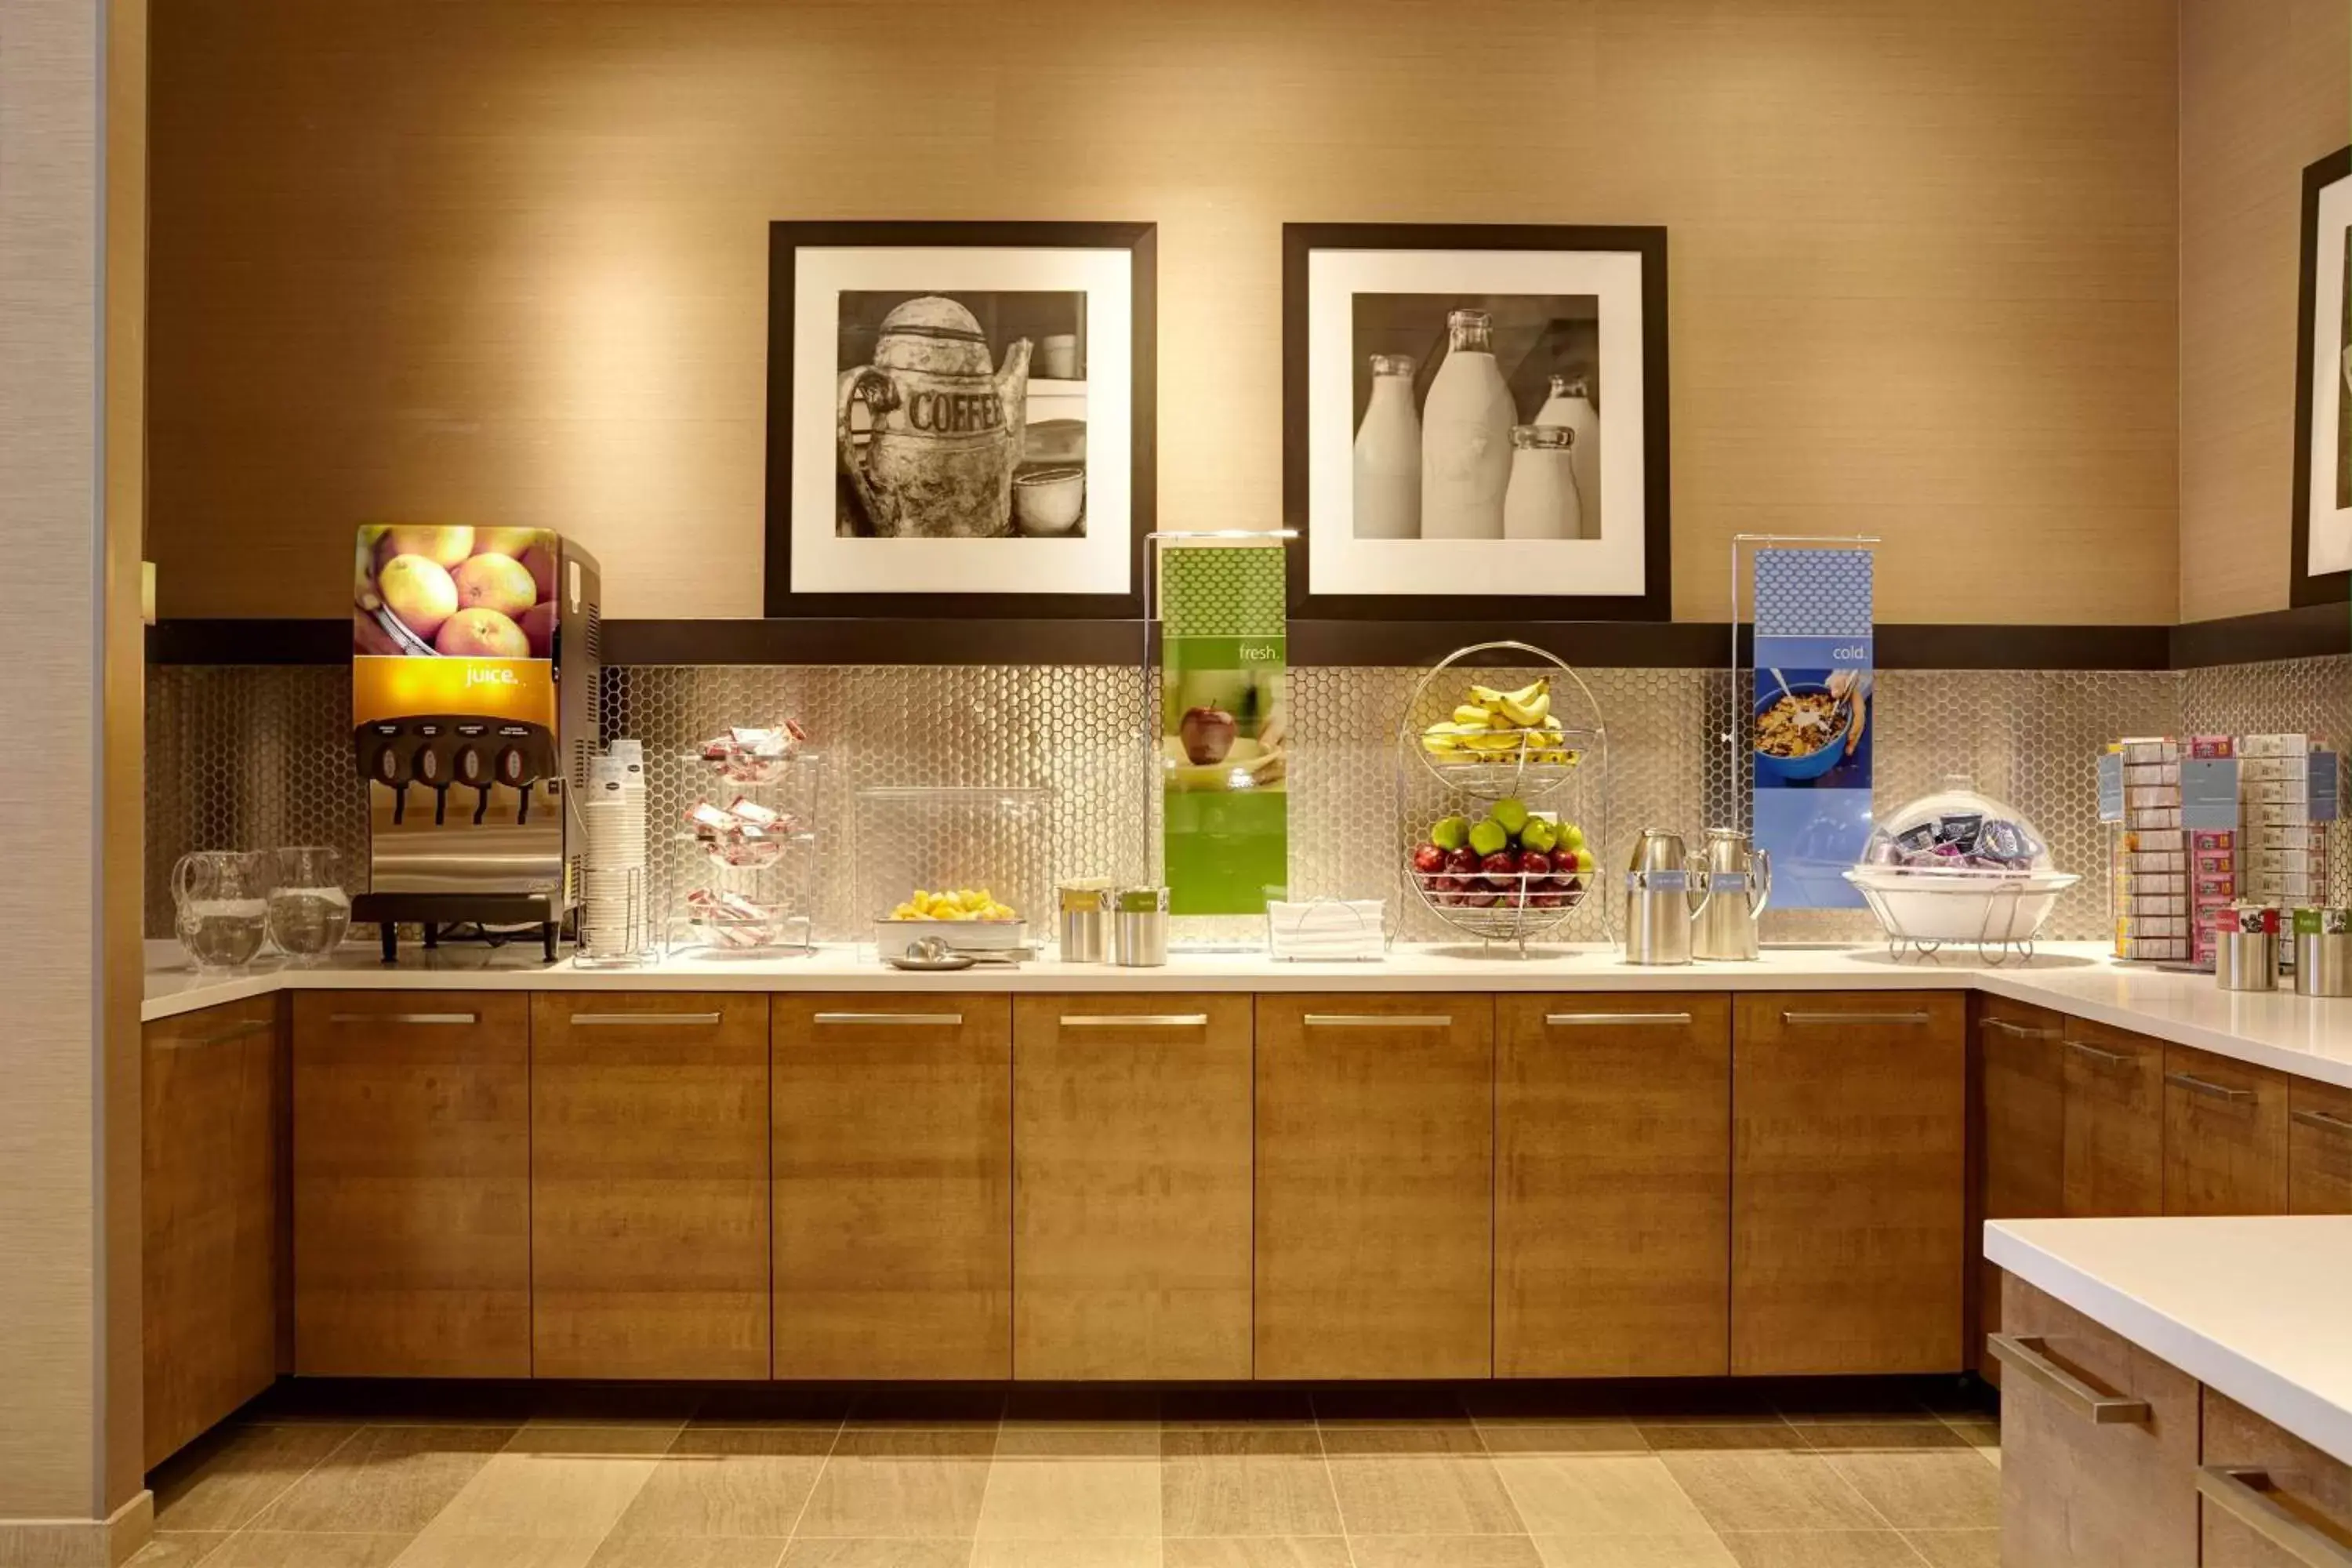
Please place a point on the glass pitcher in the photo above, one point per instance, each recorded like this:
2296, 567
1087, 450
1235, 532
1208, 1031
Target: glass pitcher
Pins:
222, 897
309, 909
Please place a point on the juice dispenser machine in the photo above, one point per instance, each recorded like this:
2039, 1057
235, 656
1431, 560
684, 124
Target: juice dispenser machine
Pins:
474, 673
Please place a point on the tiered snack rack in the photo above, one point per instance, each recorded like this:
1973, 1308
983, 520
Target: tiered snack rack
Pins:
1428, 787
792, 787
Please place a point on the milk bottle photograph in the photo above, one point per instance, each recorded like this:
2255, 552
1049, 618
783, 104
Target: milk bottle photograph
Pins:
1569, 404
1465, 436
1388, 455
1542, 502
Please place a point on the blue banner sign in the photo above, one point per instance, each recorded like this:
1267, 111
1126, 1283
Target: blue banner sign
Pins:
1811, 722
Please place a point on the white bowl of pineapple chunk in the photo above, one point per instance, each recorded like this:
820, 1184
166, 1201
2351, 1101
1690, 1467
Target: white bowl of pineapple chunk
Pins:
970, 919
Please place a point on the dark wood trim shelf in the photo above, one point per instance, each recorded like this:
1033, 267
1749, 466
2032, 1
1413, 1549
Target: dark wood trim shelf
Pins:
2310, 631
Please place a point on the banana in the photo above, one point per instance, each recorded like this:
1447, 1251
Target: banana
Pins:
1529, 705
1476, 717
1486, 696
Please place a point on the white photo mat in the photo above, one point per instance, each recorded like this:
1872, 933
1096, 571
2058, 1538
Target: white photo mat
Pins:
1097, 563
1338, 563
2328, 546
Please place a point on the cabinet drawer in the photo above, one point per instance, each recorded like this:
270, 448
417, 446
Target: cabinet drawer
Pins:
1375, 1187
2272, 1500
411, 1183
1131, 1169
2083, 1486
893, 1186
2115, 1122
213, 1100
2319, 1148
2224, 1135
1848, 1183
2021, 1117
1613, 1186
649, 1185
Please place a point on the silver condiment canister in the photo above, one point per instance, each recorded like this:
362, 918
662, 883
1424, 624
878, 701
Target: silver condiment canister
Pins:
2246, 949
1085, 934
1139, 927
2323, 952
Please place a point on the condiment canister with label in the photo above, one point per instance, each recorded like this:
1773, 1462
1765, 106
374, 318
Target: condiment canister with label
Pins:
1084, 905
2245, 951
2322, 952
1139, 927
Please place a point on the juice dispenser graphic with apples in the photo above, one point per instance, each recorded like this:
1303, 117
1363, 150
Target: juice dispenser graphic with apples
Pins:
473, 672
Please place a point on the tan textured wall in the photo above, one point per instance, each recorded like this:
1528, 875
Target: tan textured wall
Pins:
2265, 88
506, 259
48, 682
124, 762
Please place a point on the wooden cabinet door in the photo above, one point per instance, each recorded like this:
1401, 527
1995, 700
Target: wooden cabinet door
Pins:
2224, 1135
1132, 1168
1849, 1120
894, 1186
2081, 1489
2319, 1148
2022, 1147
2115, 1122
649, 1143
1613, 1186
2271, 1499
1375, 1187
411, 1183
213, 1100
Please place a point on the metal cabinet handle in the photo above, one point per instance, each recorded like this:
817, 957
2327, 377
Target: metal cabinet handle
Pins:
1801, 1020
1378, 1021
2322, 1118
1135, 1021
2207, 1086
234, 1032
632, 1020
910, 1020
2246, 1496
1570, 1020
2024, 1354
402, 1018
2110, 1059
2019, 1031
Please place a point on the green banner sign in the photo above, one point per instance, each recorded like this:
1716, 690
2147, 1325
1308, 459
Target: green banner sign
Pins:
1222, 728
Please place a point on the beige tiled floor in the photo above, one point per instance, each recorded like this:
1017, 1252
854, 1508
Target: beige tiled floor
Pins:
1587, 1476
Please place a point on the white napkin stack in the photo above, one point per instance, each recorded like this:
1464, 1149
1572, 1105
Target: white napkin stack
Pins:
1327, 929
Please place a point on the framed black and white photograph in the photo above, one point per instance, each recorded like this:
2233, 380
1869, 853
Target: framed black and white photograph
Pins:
1475, 421
2323, 425
959, 418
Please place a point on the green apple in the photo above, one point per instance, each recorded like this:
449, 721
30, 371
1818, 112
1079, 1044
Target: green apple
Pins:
1540, 835
1571, 836
1512, 812
1489, 837
1449, 832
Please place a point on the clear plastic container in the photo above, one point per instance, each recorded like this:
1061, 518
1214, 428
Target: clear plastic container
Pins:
1958, 866
973, 866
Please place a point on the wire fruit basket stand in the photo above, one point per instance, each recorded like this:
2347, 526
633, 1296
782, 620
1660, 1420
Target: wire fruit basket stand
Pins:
1502, 766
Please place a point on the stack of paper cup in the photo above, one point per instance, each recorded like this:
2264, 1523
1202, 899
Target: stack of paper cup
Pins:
614, 920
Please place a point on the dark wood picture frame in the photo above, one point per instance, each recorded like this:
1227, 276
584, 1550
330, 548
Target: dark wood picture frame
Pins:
1656, 601
1140, 240
2328, 587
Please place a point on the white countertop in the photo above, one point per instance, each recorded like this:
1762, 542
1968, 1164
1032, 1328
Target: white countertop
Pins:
2278, 1029
2259, 1310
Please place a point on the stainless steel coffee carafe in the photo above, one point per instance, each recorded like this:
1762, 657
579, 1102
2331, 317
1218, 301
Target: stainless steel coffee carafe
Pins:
1738, 882
1659, 913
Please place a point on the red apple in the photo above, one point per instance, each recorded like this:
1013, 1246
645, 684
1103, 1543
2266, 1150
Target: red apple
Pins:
1207, 734
1428, 858
539, 562
538, 625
